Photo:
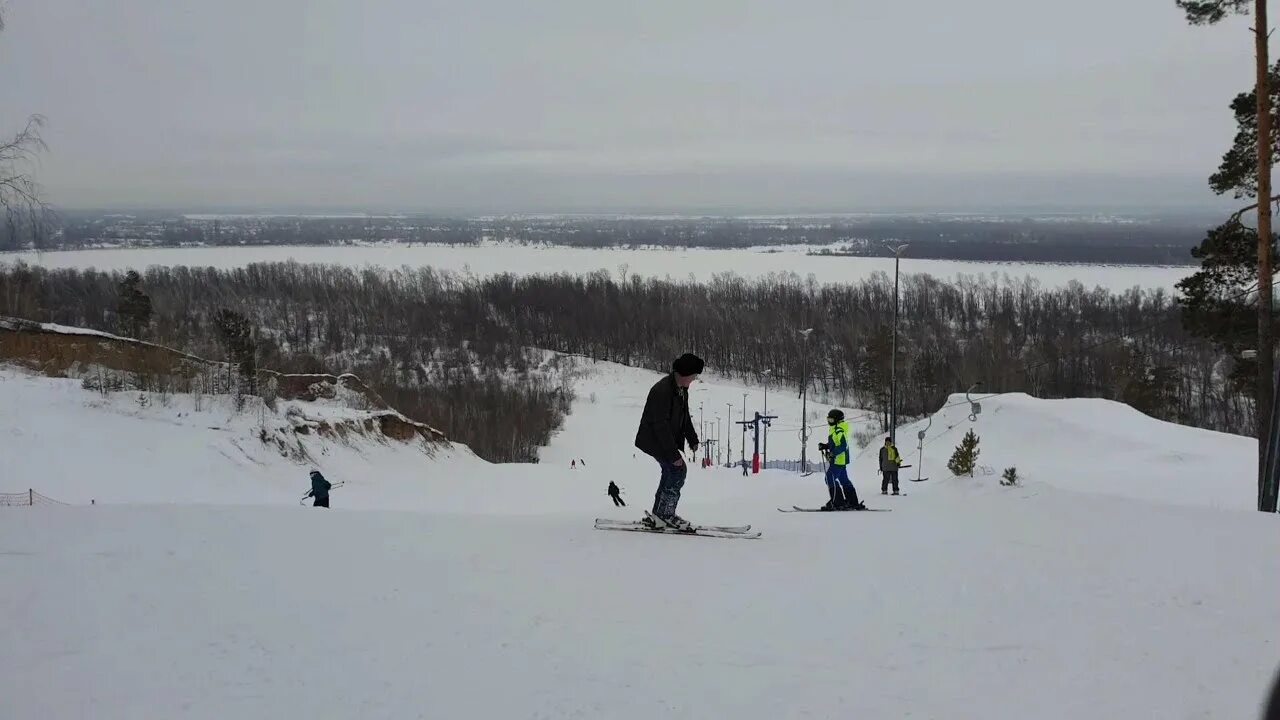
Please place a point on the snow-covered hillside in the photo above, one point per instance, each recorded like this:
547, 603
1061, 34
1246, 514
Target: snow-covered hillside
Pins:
444, 586
1078, 444
79, 446
1087, 445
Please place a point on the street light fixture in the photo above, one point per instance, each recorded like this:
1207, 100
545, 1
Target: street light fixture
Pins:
702, 425
804, 405
765, 450
727, 435
718, 453
893, 362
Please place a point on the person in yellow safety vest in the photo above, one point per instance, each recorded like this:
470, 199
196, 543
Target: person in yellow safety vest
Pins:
890, 461
843, 495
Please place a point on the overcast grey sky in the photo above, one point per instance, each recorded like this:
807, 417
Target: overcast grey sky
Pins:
511, 105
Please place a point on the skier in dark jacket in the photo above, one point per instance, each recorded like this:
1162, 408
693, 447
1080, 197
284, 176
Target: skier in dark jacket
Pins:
665, 427
614, 493
890, 461
319, 490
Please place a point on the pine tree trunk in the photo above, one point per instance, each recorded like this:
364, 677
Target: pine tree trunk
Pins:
1266, 361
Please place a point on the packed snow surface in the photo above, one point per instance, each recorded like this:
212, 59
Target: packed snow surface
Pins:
1125, 578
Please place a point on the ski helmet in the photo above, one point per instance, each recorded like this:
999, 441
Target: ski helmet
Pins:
835, 415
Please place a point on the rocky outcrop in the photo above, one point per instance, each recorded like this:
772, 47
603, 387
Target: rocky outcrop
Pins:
60, 351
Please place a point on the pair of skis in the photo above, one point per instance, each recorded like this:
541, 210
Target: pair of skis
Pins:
797, 508
742, 532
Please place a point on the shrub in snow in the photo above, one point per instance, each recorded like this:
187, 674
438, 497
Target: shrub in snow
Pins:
863, 437
965, 457
270, 393
1010, 477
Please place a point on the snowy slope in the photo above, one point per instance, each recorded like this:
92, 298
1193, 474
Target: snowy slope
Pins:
179, 454
448, 587
1087, 445
1001, 607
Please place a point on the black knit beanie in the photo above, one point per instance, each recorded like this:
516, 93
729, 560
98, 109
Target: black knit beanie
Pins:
687, 364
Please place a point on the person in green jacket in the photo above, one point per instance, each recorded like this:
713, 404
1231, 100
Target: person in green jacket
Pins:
836, 450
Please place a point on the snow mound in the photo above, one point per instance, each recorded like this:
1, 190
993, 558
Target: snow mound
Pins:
1086, 445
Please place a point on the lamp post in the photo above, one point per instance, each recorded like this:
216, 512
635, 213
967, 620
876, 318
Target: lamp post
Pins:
804, 404
893, 362
764, 453
702, 423
729, 438
744, 430
718, 453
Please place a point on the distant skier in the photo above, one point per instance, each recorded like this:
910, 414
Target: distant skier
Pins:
615, 493
582, 462
843, 494
890, 461
665, 427
319, 490
573, 464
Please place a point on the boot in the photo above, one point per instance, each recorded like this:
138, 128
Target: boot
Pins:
672, 521
678, 523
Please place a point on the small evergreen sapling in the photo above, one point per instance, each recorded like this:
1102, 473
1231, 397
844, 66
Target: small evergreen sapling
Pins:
965, 458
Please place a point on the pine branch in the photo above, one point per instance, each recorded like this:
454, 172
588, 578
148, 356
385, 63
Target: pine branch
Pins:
1235, 217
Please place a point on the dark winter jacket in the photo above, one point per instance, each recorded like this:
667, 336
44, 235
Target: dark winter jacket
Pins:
665, 424
319, 486
613, 489
890, 460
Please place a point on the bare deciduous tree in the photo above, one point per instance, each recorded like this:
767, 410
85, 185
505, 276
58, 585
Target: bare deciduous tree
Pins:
26, 214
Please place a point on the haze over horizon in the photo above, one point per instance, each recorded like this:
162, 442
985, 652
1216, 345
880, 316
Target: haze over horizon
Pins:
575, 106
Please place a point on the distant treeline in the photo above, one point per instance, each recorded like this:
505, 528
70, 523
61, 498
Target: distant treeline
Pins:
452, 351
1015, 240
1030, 252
